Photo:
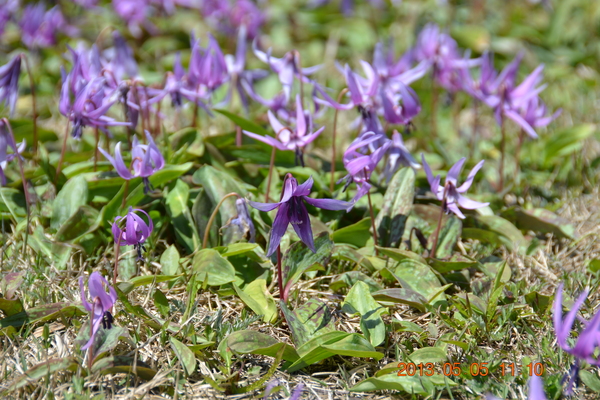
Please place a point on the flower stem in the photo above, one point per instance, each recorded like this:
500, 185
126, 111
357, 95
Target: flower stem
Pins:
518, 151
375, 241
434, 101
502, 151
97, 136
474, 129
91, 348
213, 216
238, 136
271, 164
335, 116
33, 104
117, 253
282, 295
62, 154
436, 235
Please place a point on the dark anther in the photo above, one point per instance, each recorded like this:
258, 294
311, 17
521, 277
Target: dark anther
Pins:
139, 247
147, 186
299, 158
107, 320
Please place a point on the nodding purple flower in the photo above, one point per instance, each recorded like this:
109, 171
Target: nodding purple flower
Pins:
146, 159
291, 209
40, 27
361, 159
9, 83
135, 13
449, 194
8, 8
89, 108
241, 225
536, 390
135, 232
207, 69
397, 155
288, 139
588, 340
7, 140
123, 62
229, 15
101, 304
286, 68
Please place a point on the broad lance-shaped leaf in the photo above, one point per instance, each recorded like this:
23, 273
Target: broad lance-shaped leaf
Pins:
348, 279
169, 261
256, 296
541, 220
10, 283
510, 236
396, 206
181, 218
44, 313
356, 234
12, 203
123, 365
216, 184
72, 195
85, 220
185, 355
401, 295
418, 278
308, 321
252, 342
299, 258
209, 263
41, 370
243, 123
359, 300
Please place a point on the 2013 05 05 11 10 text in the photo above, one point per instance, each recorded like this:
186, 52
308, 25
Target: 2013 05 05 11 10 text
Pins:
456, 369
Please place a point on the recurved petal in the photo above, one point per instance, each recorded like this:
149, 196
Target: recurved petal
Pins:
300, 120
119, 164
452, 207
467, 184
453, 173
310, 138
469, 204
271, 141
536, 388
264, 206
304, 189
515, 116
279, 226
329, 204
96, 288
86, 303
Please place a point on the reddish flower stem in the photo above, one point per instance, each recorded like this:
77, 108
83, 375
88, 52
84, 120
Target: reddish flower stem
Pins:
436, 235
117, 253
97, 136
33, 104
502, 151
282, 294
434, 102
375, 241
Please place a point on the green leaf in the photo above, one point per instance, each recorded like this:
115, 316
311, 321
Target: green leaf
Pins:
541, 220
538, 301
10, 283
72, 195
593, 265
180, 216
356, 234
124, 365
149, 279
509, 234
42, 370
455, 263
562, 144
348, 279
482, 235
308, 321
235, 249
397, 203
299, 258
428, 355
85, 220
590, 380
161, 303
401, 255
402, 296
409, 384
359, 300
185, 355
257, 297
10, 307
419, 278
252, 342
13, 203
169, 261
44, 313
449, 235
242, 122
209, 263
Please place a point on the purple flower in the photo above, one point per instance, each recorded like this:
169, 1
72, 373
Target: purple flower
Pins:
286, 67
135, 13
101, 303
136, 230
449, 194
9, 83
146, 159
207, 69
40, 27
288, 139
229, 15
7, 140
241, 225
361, 165
291, 209
398, 155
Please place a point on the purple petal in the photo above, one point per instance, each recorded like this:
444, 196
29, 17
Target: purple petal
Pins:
522, 123
300, 120
467, 184
536, 388
279, 227
86, 304
430, 179
264, 206
304, 189
329, 204
469, 204
355, 92
96, 289
310, 138
271, 141
301, 223
453, 173
452, 207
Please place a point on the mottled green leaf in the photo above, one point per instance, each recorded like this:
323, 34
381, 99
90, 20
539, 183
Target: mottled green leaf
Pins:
510, 236
208, 262
310, 320
161, 303
10, 283
83, 221
359, 300
72, 195
397, 203
348, 279
456, 263
590, 380
356, 234
561, 144
243, 123
10, 307
428, 355
408, 384
42, 370
124, 365
401, 255
149, 279
256, 296
449, 235
169, 261
541, 220
181, 218
44, 313
185, 355
402, 296
419, 278
299, 258
13, 203
252, 342
538, 301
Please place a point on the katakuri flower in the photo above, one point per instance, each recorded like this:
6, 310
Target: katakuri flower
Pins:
588, 340
291, 209
39, 27
145, 160
101, 304
135, 232
240, 226
449, 194
288, 139
7, 140
9, 83
397, 155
